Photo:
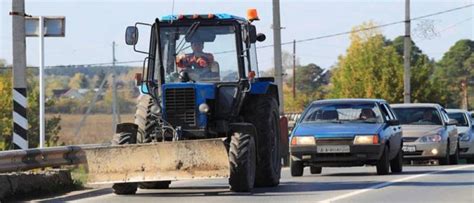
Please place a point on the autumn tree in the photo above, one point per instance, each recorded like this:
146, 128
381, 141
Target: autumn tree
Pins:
369, 69
79, 81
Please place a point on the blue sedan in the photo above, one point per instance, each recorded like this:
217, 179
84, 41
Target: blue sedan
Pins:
347, 132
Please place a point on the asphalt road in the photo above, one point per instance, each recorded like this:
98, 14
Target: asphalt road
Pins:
354, 184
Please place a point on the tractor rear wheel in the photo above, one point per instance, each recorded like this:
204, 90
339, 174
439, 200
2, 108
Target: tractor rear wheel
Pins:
143, 119
242, 158
262, 111
123, 138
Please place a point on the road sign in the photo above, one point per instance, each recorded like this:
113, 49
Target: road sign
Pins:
54, 26
48, 26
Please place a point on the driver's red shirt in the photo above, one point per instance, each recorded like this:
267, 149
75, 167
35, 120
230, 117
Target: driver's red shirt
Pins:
204, 60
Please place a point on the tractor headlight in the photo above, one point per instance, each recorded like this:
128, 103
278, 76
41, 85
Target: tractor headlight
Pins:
430, 138
203, 108
366, 139
464, 137
303, 140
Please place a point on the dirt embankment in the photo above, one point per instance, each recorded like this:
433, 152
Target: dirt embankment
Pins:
16, 186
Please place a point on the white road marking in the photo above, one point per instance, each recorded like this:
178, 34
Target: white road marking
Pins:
381, 185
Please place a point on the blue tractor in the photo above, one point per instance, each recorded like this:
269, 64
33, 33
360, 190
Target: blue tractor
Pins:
198, 84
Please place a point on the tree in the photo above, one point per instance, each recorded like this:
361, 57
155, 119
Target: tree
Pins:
311, 81
6, 122
79, 81
369, 69
422, 68
99, 78
309, 78
451, 69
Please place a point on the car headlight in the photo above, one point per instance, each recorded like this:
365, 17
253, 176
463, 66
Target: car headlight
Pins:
303, 140
366, 139
430, 138
464, 137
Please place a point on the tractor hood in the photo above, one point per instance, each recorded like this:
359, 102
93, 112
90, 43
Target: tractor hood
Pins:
327, 130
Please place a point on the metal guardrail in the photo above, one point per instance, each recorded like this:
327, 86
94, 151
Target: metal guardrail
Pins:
20, 160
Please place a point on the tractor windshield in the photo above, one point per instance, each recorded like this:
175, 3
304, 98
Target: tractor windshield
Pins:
205, 53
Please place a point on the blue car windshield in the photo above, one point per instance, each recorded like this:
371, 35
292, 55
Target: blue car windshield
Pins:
343, 112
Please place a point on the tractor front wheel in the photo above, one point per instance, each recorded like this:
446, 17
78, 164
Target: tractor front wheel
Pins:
242, 158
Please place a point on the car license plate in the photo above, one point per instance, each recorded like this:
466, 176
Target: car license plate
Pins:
333, 149
407, 148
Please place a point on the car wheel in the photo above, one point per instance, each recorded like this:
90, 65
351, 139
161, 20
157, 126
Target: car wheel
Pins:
315, 169
383, 165
454, 159
296, 168
445, 160
396, 165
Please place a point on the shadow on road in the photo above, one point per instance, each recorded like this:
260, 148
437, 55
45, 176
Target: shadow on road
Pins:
88, 194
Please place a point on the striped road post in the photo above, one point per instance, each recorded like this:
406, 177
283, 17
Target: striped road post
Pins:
20, 123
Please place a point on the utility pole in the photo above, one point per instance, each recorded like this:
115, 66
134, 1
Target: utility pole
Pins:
406, 55
294, 69
114, 91
277, 52
20, 122
116, 116
465, 96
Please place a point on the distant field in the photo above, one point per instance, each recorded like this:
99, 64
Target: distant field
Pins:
97, 128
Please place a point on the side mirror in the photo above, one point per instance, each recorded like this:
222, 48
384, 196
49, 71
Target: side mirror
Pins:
393, 122
131, 35
452, 122
261, 37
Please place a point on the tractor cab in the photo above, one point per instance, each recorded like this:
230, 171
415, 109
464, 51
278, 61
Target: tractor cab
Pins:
200, 69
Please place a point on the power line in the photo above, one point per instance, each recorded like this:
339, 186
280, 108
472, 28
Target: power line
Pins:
370, 28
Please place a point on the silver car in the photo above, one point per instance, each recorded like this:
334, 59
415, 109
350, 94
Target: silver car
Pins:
428, 133
465, 127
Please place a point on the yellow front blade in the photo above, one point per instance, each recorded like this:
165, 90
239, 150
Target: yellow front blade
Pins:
180, 160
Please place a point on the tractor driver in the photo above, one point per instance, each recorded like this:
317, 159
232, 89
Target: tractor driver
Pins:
198, 60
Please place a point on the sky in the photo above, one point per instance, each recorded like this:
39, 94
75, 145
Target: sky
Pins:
91, 26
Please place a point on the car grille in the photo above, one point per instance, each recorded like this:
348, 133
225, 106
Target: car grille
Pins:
334, 141
180, 106
409, 139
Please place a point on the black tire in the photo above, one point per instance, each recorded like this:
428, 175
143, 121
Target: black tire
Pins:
454, 159
445, 160
145, 128
315, 169
155, 185
296, 168
242, 158
470, 160
262, 111
143, 117
383, 165
122, 138
396, 164
125, 188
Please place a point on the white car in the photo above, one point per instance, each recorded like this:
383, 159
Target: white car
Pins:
465, 127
